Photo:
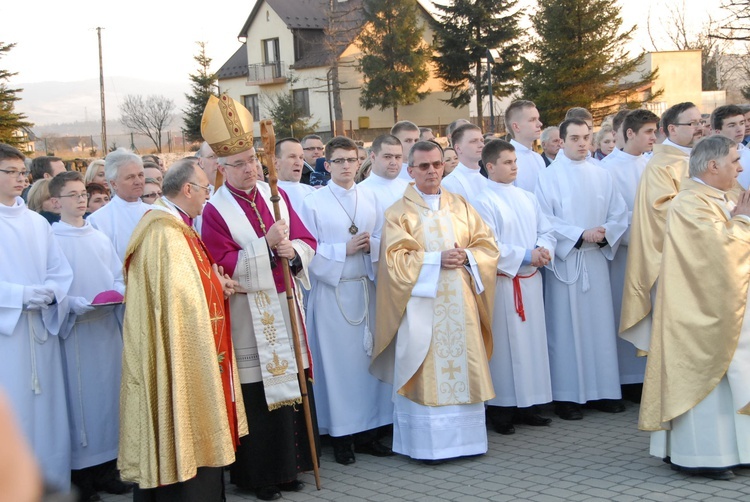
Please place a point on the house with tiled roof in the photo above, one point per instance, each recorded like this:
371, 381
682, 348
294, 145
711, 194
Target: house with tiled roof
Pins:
287, 49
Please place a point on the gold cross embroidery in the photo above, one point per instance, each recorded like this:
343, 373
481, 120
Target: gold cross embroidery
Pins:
437, 228
216, 317
451, 369
445, 292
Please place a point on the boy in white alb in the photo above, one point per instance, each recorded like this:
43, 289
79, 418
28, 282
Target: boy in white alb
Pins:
34, 282
346, 222
520, 363
91, 342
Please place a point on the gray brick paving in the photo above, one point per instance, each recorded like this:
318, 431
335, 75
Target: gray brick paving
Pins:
600, 458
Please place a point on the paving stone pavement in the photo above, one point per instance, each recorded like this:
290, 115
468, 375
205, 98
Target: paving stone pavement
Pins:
602, 457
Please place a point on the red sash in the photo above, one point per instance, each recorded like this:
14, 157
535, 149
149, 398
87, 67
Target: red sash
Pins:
517, 296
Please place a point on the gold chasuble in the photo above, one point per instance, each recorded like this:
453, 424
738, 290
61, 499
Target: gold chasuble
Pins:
457, 328
659, 184
700, 304
179, 405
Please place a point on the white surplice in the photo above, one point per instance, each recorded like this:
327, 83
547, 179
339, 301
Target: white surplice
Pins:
530, 164
431, 432
712, 433
117, 220
386, 191
626, 171
296, 191
744, 177
581, 335
92, 346
341, 312
466, 182
520, 362
31, 370
404, 174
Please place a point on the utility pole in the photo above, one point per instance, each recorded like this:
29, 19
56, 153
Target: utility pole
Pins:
101, 91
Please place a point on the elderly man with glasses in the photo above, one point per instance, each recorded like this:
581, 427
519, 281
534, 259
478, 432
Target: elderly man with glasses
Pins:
435, 292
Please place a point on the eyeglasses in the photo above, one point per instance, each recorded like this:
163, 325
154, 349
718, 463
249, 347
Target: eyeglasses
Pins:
13, 172
350, 160
426, 165
151, 195
205, 189
695, 123
311, 148
243, 163
83, 195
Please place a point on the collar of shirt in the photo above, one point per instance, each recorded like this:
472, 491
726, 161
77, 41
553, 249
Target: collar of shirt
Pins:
685, 149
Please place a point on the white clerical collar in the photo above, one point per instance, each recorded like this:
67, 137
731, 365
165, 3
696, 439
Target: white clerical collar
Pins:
496, 185
740, 147
698, 180
462, 168
122, 202
520, 146
63, 228
380, 180
173, 208
432, 200
289, 183
624, 154
337, 189
561, 156
685, 149
15, 210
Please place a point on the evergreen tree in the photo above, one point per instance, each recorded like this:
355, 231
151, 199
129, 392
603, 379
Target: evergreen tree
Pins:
466, 30
203, 85
394, 55
578, 59
288, 119
10, 120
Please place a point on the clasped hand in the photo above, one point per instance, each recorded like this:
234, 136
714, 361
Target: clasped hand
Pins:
453, 258
360, 242
594, 235
540, 257
227, 283
743, 204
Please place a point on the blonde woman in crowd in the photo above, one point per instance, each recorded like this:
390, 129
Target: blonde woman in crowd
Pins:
40, 201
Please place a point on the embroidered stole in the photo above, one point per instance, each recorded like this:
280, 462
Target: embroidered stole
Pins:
277, 362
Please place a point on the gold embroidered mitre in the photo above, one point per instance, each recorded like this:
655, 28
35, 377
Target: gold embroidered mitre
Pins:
227, 126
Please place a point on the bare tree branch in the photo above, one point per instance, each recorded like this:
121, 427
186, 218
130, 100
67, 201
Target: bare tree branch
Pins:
148, 117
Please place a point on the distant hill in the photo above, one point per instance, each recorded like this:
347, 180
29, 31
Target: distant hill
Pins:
74, 107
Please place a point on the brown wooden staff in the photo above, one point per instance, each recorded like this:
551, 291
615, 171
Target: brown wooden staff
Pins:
269, 145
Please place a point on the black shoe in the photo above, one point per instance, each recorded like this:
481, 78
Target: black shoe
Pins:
88, 494
504, 428
717, 473
607, 405
294, 485
115, 486
268, 493
568, 411
436, 461
342, 452
527, 416
373, 448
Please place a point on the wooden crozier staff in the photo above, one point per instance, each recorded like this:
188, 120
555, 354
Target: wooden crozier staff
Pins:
269, 145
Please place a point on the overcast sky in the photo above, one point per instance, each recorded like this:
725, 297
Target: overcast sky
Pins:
56, 41
155, 40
